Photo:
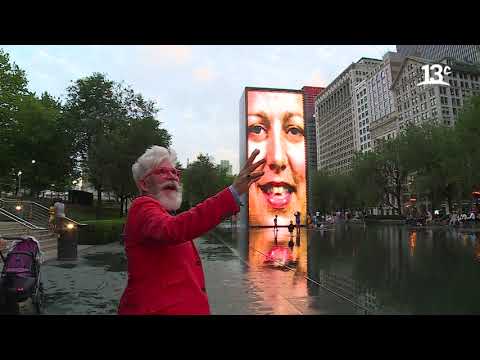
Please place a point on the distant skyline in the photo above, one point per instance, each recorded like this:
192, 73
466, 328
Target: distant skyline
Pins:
197, 87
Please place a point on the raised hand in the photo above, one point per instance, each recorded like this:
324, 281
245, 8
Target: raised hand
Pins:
246, 176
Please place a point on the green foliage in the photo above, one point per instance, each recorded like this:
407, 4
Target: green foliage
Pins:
82, 213
331, 192
113, 127
13, 88
99, 132
468, 135
101, 232
202, 179
441, 161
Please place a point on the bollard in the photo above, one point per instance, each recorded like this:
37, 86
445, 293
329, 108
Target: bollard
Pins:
67, 241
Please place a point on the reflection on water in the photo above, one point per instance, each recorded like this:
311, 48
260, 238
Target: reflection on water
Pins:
279, 247
385, 268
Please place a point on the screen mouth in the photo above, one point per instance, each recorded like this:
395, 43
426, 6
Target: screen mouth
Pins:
277, 194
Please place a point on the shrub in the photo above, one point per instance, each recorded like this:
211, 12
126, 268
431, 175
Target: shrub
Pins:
97, 232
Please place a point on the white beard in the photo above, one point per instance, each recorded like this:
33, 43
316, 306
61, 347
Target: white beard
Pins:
172, 201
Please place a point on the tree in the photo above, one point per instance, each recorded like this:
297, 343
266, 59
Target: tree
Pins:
13, 88
202, 179
128, 142
467, 131
367, 180
93, 111
435, 159
39, 135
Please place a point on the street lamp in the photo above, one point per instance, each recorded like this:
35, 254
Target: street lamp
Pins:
19, 179
33, 161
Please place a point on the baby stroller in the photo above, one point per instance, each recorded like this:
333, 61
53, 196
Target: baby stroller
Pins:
20, 277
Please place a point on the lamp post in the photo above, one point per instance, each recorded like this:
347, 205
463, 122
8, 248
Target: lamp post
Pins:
32, 190
19, 174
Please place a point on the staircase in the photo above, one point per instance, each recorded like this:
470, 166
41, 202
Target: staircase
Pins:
46, 238
19, 217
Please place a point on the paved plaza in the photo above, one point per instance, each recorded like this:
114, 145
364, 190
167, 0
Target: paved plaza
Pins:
94, 283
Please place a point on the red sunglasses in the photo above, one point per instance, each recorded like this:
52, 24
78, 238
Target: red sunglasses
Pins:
163, 172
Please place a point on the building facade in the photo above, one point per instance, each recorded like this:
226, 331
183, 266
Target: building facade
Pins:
334, 115
225, 165
377, 101
438, 103
309, 95
465, 53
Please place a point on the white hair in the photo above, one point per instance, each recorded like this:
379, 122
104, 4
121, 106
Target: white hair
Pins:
150, 159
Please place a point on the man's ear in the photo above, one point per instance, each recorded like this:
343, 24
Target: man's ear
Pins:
142, 185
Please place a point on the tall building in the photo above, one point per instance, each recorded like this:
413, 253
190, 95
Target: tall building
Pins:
225, 165
438, 103
466, 53
334, 114
376, 100
309, 95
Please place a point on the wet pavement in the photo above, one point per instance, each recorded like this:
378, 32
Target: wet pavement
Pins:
93, 284
385, 269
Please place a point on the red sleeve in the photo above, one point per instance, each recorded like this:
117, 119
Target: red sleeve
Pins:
160, 226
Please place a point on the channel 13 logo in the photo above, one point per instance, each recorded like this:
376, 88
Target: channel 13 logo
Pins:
438, 71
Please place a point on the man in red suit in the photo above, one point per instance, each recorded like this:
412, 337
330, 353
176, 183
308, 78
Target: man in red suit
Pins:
165, 274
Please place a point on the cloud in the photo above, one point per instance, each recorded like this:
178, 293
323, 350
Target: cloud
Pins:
203, 74
167, 54
45, 58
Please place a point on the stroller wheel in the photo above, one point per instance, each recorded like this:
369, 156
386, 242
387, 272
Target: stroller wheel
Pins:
40, 300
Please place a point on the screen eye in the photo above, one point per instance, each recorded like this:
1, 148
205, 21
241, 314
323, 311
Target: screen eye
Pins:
295, 131
256, 129
257, 132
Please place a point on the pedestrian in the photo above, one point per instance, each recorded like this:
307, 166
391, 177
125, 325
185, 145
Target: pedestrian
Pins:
315, 220
297, 219
165, 274
59, 207
275, 222
429, 219
309, 220
471, 218
51, 217
291, 227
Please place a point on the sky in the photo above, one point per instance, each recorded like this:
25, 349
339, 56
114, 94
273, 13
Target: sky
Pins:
197, 88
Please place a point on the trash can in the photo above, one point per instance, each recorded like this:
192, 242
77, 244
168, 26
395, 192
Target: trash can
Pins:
67, 242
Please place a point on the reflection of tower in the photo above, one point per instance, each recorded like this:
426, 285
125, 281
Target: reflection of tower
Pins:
412, 242
243, 242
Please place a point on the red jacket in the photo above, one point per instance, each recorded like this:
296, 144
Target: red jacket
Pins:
165, 274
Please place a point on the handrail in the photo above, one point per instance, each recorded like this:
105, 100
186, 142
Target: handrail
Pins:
20, 220
42, 207
75, 222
